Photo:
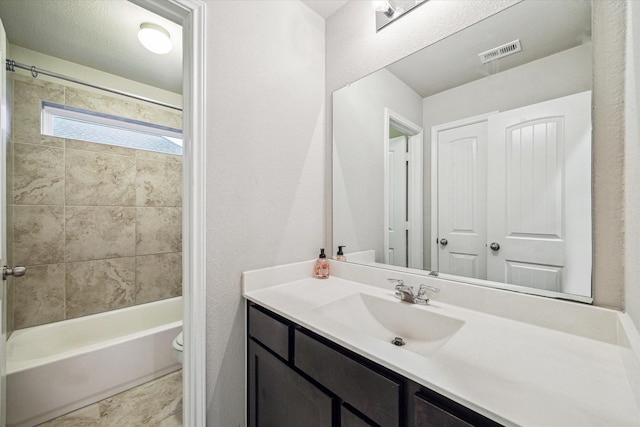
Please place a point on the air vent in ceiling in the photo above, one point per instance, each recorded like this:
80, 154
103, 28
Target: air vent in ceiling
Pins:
500, 51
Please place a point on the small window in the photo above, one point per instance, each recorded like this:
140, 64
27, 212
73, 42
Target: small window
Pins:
75, 123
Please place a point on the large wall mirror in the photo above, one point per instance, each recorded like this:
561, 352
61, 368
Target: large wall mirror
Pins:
471, 159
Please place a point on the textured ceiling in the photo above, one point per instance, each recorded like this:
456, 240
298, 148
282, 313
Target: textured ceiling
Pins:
95, 33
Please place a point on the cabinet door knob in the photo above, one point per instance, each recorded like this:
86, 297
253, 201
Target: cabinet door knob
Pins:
495, 246
443, 242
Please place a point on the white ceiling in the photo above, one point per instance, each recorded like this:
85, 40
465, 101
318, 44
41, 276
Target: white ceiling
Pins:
543, 29
96, 34
103, 35
325, 8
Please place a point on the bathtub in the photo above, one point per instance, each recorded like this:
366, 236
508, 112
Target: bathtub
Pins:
60, 367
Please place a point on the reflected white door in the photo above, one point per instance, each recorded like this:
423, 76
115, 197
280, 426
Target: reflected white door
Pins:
4, 129
397, 251
462, 160
539, 174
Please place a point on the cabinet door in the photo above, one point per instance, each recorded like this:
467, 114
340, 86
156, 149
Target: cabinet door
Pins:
279, 397
349, 419
374, 395
426, 414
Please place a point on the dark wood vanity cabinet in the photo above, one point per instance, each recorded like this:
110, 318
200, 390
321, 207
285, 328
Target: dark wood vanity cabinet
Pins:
281, 397
297, 378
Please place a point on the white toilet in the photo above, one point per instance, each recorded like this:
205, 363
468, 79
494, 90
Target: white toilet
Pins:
177, 347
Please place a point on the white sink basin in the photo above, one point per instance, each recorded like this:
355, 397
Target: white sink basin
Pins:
422, 330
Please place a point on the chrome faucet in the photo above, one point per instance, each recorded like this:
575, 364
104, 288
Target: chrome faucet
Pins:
405, 293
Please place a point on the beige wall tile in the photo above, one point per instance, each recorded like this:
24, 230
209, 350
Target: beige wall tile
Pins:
97, 286
158, 230
99, 179
39, 296
75, 144
161, 116
9, 172
123, 107
158, 183
26, 108
9, 261
38, 235
106, 104
10, 307
98, 184
99, 232
147, 404
154, 155
38, 175
10, 234
158, 277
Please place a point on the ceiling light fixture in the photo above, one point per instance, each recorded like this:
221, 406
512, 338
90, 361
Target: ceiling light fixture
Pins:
382, 6
155, 38
388, 11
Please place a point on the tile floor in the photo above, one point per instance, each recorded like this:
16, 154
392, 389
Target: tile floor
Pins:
156, 403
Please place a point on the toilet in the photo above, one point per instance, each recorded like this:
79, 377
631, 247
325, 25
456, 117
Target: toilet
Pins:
177, 347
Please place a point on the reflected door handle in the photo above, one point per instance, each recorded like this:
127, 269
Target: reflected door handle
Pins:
495, 246
443, 242
15, 271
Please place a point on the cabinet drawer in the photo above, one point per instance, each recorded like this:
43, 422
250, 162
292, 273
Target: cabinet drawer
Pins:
269, 331
372, 394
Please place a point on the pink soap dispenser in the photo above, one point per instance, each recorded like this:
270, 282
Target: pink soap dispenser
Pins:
340, 255
321, 268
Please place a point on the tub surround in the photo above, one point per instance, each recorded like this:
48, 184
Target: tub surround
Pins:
518, 359
98, 226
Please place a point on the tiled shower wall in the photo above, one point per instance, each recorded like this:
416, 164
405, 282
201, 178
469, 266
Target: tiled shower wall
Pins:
97, 226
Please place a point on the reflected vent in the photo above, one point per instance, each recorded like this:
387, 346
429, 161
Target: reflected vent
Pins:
500, 51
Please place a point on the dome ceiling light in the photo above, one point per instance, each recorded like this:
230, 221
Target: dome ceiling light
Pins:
155, 38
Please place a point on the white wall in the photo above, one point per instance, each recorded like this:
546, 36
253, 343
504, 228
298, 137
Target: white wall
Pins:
354, 49
632, 159
358, 156
608, 25
557, 75
80, 72
265, 168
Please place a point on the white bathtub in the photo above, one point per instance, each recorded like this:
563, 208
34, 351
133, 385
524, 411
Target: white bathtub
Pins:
60, 367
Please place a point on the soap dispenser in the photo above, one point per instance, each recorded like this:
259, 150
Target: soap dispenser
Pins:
321, 268
340, 255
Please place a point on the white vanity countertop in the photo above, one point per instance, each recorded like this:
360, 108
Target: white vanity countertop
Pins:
513, 372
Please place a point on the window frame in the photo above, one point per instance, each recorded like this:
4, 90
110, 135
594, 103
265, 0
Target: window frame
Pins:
50, 110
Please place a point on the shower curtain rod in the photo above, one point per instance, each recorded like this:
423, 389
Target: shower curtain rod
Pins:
35, 72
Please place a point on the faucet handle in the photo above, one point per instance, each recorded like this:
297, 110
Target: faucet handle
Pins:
422, 291
424, 288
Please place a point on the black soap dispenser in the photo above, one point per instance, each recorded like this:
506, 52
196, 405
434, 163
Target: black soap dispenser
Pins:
321, 268
340, 255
